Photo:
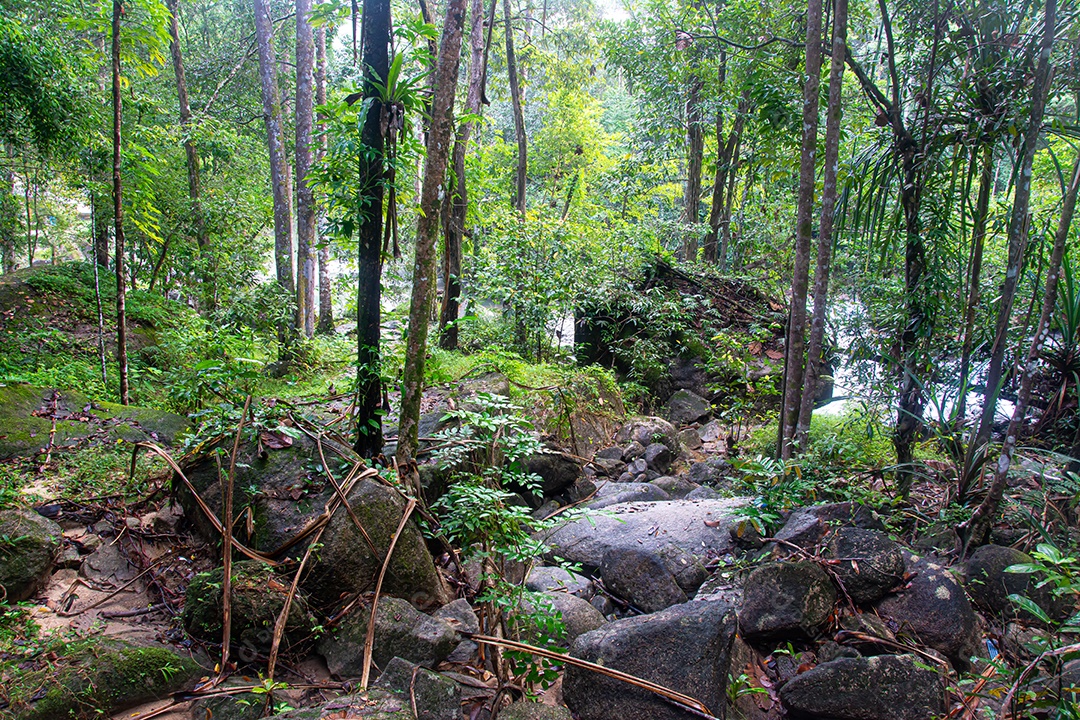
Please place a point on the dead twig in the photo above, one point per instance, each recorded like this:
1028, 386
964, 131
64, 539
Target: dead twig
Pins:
227, 521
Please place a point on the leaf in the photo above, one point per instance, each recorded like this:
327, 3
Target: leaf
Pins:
1030, 607
774, 354
275, 441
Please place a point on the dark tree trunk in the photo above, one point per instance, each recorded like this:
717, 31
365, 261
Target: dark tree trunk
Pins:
326, 307
695, 148
459, 200
519, 114
796, 333
723, 162
828, 217
8, 221
440, 135
279, 171
118, 207
376, 34
305, 205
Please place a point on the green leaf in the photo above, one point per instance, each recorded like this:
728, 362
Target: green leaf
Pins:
1030, 607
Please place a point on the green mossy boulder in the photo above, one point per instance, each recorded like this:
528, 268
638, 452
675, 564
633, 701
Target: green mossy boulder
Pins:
97, 678
258, 597
29, 544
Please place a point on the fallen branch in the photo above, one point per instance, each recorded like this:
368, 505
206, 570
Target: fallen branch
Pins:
1004, 713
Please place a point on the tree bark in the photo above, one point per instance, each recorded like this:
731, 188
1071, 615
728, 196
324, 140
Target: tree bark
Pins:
305, 205
723, 160
279, 173
372, 173
8, 221
427, 232
796, 340
459, 199
695, 148
118, 207
976, 530
828, 217
519, 114
326, 306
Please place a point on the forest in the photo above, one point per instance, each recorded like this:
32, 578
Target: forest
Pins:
539, 359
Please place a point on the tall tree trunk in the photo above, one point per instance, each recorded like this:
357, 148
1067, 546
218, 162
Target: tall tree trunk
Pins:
118, 207
8, 221
427, 233
519, 114
695, 148
1018, 236
191, 155
372, 171
459, 199
828, 216
305, 206
723, 161
796, 332
279, 171
326, 307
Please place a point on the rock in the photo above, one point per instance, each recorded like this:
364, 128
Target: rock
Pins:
578, 616
633, 451
582, 488
648, 430
785, 598
258, 597
556, 579
100, 677
686, 648
109, 563
829, 651
491, 383
400, 631
29, 544
641, 578
637, 467
870, 564
626, 477
934, 610
525, 710
658, 457
807, 526
676, 487
703, 492
685, 407
603, 605
989, 585
557, 471
610, 468
434, 480
375, 703
434, 696
459, 615
614, 493
709, 432
887, 687
700, 529
708, 472
238, 706
609, 453
689, 439
546, 510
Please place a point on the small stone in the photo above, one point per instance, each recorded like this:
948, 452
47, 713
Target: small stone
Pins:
658, 457
633, 451
609, 453
609, 467
638, 467
626, 477
676, 487
603, 605
556, 579
702, 493
648, 430
689, 439
709, 432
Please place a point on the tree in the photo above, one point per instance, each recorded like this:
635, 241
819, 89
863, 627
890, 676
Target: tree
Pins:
326, 307
439, 138
695, 148
118, 206
519, 115
305, 207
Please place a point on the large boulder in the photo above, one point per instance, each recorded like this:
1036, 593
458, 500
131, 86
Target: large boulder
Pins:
525, 710
648, 430
613, 493
641, 578
887, 687
807, 526
29, 544
934, 610
375, 703
784, 599
258, 597
556, 579
686, 648
685, 407
435, 697
658, 457
578, 616
400, 631
556, 470
869, 564
989, 585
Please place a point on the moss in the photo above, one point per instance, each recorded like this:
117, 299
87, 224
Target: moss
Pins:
28, 545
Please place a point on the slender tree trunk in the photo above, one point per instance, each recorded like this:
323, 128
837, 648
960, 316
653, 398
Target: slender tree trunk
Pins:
1018, 234
8, 218
191, 155
519, 114
723, 161
305, 206
326, 307
118, 207
695, 148
974, 281
427, 233
828, 216
372, 172
459, 202
796, 338
279, 171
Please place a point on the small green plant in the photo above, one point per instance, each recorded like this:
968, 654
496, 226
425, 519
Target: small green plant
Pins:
777, 486
741, 686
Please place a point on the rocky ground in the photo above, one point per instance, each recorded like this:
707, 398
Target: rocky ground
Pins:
829, 618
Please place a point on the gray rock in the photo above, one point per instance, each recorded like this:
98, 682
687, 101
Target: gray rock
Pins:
676, 487
556, 579
989, 585
109, 563
641, 578
934, 610
609, 453
610, 468
544, 511
525, 710
685, 407
637, 467
870, 564
603, 605
375, 703
633, 451
807, 526
689, 439
434, 696
710, 431
658, 457
614, 493
785, 598
703, 492
685, 647
626, 477
887, 687
29, 544
238, 706
400, 631
459, 615
578, 615
557, 471
582, 488
648, 430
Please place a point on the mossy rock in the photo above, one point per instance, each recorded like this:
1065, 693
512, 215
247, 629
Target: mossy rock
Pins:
373, 704
241, 706
100, 677
258, 597
28, 546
